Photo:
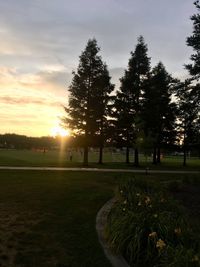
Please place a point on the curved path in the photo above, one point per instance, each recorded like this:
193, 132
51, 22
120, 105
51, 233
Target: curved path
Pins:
145, 171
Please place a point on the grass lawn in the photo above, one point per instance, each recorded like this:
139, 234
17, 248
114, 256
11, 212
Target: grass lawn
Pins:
56, 158
47, 219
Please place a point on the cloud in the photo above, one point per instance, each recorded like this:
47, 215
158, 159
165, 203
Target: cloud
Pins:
27, 101
41, 42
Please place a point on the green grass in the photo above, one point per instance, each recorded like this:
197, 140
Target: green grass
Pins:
57, 158
47, 219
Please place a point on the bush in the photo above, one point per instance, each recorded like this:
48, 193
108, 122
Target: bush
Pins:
148, 227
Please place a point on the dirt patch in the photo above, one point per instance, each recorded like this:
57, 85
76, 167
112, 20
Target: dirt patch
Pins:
12, 228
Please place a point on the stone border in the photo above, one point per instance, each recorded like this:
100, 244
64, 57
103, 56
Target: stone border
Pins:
101, 219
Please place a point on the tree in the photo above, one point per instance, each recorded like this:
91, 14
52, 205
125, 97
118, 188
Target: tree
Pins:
189, 94
85, 93
188, 117
128, 99
158, 110
103, 108
194, 42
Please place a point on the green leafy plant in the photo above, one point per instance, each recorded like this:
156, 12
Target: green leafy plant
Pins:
148, 227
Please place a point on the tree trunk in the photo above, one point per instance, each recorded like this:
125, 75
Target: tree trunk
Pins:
184, 151
101, 154
184, 156
85, 157
127, 146
136, 160
158, 154
127, 155
154, 156
101, 143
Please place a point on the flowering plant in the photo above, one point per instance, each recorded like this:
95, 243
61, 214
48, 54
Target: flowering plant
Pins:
148, 227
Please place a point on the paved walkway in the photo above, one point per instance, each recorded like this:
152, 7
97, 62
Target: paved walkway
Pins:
95, 170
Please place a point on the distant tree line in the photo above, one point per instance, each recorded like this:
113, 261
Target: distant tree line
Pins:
151, 109
16, 141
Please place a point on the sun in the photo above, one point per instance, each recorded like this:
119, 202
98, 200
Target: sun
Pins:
59, 131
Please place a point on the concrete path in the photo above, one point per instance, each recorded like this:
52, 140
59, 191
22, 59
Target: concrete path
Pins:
96, 170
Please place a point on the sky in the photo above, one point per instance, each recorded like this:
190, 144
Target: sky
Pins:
41, 41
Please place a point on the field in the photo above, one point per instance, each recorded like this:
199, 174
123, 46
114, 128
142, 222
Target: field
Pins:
111, 160
48, 218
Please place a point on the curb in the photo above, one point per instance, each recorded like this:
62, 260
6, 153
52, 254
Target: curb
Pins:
101, 219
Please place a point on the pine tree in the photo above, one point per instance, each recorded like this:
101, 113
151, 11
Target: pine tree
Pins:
194, 42
128, 99
188, 117
189, 93
103, 108
158, 110
86, 95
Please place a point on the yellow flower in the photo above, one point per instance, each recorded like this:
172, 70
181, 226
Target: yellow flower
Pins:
125, 202
155, 215
177, 231
195, 258
123, 209
160, 244
138, 194
153, 234
121, 192
147, 200
139, 204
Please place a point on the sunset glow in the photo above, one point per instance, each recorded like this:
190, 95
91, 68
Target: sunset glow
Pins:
59, 131
40, 48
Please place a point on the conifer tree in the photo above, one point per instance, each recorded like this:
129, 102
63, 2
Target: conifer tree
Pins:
188, 117
88, 96
128, 99
158, 110
103, 108
194, 42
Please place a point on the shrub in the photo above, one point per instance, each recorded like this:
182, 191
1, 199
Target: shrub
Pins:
148, 227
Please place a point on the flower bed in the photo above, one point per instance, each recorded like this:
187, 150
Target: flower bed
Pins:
149, 228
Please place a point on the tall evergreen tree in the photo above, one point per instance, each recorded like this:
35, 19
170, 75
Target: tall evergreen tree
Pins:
103, 108
158, 110
194, 42
128, 99
87, 95
189, 92
188, 117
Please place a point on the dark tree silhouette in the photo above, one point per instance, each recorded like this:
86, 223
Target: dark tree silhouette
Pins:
158, 110
128, 99
188, 117
194, 42
89, 89
103, 108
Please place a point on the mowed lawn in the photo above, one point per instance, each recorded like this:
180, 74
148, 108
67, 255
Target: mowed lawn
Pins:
48, 218
111, 160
